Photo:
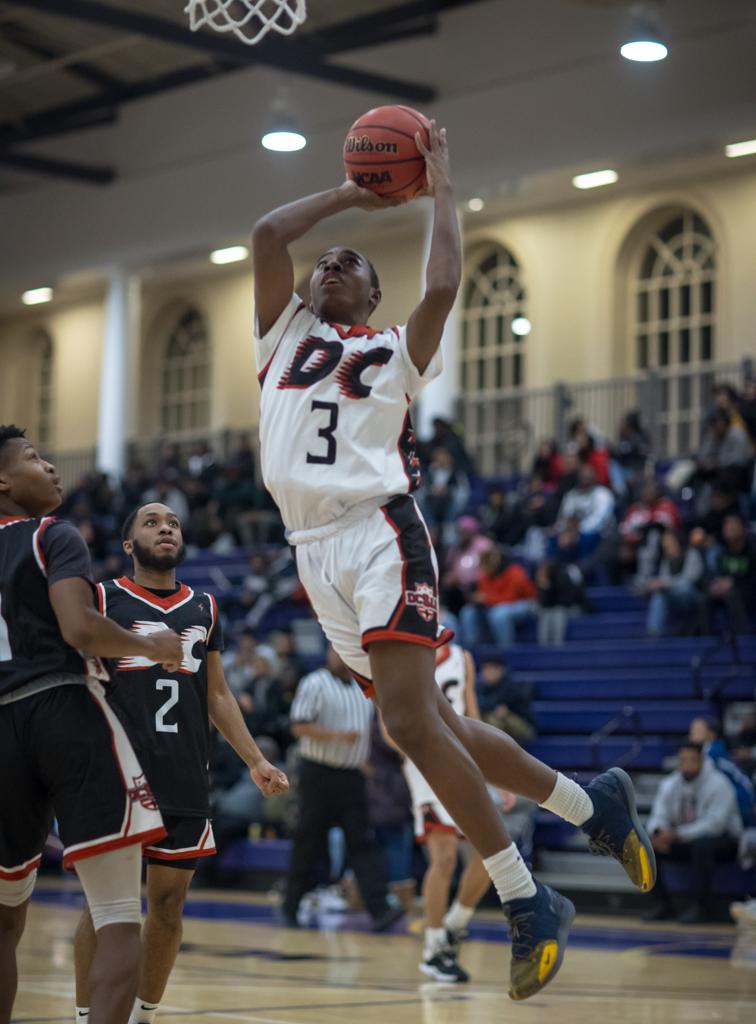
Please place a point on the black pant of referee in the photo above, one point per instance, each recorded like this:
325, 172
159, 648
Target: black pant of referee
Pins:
328, 798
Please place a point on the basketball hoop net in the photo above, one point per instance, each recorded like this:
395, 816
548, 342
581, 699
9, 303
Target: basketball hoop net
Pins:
249, 20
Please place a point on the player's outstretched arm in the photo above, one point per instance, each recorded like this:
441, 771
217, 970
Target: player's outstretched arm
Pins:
443, 273
273, 233
82, 626
227, 718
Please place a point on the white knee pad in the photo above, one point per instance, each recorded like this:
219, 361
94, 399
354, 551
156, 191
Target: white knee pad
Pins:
14, 893
112, 884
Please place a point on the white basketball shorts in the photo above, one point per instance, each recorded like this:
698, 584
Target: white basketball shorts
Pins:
375, 579
429, 813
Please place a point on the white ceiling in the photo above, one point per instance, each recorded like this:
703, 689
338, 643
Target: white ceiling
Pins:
531, 91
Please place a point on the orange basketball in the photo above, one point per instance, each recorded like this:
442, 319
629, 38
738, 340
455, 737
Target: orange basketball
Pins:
380, 152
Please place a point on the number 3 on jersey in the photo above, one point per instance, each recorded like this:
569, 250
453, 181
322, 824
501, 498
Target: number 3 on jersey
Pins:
160, 723
326, 433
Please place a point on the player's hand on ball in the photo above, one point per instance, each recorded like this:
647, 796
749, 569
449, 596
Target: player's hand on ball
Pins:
437, 169
167, 650
364, 199
268, 779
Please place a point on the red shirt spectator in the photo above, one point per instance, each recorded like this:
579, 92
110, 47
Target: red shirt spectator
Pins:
511, 584
651, 510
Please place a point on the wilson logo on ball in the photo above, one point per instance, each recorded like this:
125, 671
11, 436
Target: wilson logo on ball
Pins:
364, 144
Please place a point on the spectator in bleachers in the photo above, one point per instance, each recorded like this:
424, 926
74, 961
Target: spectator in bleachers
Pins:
725, 456
629, 453
671, 575
445, 436
261, 700
732, 565
547, 462
747, 408
504, 599
652, 512
724, 501
708, 732
560, 594
444, 494
240, 663
168, 492
504, 704
744, 745
499, 516
592, 505
462, 563
590, 447
695, 819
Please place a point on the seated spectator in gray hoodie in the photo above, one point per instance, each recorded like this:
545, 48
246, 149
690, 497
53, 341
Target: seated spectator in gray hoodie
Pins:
695, 818
671, 572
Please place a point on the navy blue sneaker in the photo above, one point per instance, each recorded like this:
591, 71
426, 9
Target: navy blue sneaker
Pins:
539, 927
615, 829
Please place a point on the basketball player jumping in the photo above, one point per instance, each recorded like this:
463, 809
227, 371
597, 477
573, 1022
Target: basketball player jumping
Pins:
166, 716
338, 458
445, 927
63, 752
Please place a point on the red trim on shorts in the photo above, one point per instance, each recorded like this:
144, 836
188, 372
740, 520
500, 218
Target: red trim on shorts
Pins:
365, 684
437, 826
372, 635
155, 854
443, 654
96, 847
16, 874
401, 604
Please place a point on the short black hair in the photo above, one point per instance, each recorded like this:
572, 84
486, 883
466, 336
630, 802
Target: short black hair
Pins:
128, 524
713, 725
374, 279
9, 432
690, 745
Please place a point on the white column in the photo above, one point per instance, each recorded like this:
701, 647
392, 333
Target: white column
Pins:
438, 398
121, 326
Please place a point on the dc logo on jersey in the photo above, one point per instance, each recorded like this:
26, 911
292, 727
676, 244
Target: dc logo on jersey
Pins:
189, 637
315, 359
423, 599
140, 792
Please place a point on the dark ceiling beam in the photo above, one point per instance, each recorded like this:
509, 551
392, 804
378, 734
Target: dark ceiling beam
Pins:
23, 39
62, 120
288, 56
84, 173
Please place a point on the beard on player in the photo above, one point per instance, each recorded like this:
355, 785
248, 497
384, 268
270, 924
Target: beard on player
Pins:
149, 559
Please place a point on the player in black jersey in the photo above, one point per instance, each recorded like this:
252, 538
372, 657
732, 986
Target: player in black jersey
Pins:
167, 717
63, 752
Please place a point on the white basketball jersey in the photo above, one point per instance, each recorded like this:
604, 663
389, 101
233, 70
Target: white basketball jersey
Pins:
335, 428
451, 670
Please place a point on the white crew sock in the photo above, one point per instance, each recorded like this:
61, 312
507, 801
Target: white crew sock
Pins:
458, 917
435, 939
82, 1014
510, 875
143, 1012
570, 801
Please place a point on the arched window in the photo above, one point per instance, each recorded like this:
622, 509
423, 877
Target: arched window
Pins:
492, 359
494, 297
674, 320
44, 390
185, 398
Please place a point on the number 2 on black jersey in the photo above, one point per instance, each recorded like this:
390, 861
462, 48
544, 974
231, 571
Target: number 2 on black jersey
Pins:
160, 723
326, 433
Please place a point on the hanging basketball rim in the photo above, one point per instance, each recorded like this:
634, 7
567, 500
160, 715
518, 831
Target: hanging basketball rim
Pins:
249, 20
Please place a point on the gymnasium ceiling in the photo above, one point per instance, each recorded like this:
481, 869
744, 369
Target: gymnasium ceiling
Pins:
100, 98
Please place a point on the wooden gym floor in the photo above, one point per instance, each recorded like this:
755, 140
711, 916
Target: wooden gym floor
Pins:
238, 965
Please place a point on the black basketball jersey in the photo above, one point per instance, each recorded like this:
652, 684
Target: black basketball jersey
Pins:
166, 715
35, 552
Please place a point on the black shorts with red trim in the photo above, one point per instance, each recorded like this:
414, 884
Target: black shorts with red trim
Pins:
188, 839
64, 755
373, 580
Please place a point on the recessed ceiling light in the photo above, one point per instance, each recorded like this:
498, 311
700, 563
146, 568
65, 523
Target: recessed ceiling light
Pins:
521, 326
232, 254
476, 204
284, 141
644, 51
34, 296
595, 179
741, 148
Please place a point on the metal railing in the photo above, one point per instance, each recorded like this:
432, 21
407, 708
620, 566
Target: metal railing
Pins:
502, 428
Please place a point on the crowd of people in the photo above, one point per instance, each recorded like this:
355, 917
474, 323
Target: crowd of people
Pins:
515, 554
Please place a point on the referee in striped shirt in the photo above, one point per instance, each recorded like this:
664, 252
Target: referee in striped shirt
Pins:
332, 719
